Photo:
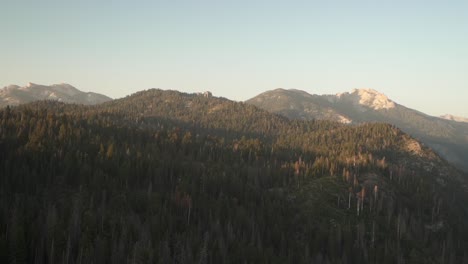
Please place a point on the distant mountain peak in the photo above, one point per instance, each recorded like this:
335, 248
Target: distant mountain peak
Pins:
366, 90
63, 92
63, 85
369, 98
455, 118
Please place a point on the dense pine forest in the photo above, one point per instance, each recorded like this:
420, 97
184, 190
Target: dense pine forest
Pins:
167, 177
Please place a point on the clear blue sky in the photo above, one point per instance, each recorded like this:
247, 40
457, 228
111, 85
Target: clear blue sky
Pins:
416, 52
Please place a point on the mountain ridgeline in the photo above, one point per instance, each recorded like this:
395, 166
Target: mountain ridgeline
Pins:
449, 138
168, 177
15, 95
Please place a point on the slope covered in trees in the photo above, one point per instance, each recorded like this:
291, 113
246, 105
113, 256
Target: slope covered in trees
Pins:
166, 177
447, 137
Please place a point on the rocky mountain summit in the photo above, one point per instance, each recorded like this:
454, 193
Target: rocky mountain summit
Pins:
368, 98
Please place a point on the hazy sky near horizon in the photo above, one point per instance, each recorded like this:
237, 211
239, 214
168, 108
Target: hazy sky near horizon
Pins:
415, 52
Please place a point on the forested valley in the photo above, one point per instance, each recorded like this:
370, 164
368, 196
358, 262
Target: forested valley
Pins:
168, 177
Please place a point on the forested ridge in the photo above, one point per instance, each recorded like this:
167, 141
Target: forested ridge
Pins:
167, 177
448, 138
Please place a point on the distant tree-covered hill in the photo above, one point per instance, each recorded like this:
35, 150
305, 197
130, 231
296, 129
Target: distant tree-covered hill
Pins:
167, 177
447, 137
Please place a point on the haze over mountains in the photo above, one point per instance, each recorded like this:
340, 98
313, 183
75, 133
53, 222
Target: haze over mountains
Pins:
449, 138
15, 95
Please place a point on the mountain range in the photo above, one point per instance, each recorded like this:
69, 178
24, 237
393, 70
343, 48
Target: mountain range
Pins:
15, 95
448, 137
448, 134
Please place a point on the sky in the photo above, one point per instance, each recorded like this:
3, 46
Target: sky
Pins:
415, 52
